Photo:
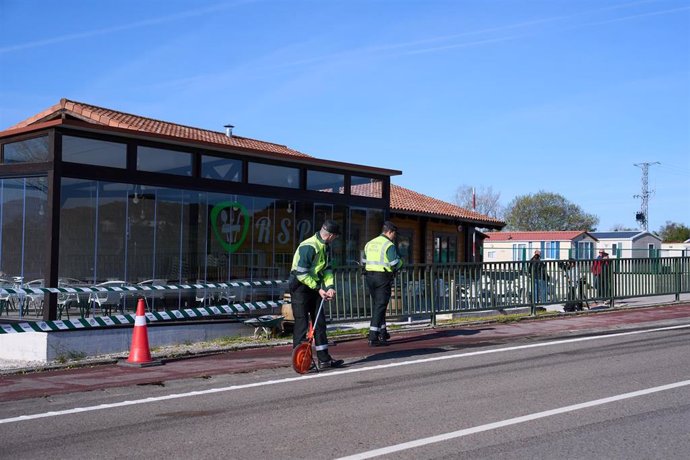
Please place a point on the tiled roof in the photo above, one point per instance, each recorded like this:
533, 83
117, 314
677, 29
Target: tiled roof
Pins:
405, 200
620, 235
114, 118
535, 236
402, 199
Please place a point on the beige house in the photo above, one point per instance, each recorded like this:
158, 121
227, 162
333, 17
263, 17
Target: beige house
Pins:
628, 245
675, 249
554, 245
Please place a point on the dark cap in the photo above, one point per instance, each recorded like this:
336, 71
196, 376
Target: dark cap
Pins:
389, 226
331, 226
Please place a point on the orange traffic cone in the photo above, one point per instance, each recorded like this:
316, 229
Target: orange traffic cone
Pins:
140, 355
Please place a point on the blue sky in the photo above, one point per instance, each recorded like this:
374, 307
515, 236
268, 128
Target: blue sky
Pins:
521, 96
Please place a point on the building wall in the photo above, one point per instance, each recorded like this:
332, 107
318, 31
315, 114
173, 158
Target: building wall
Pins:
502, 251
423, 231
675, 250
631, 248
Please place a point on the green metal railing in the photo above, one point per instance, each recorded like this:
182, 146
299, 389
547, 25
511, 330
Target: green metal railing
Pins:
418, 290
429, 290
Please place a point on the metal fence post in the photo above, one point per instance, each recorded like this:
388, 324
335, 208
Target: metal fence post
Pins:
432, 283
533, 291
676, 269
612, 284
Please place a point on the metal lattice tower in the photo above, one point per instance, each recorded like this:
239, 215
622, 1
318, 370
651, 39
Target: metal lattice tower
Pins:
643, 215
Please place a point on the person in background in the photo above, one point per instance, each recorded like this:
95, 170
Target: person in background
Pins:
311, 280
539, 276
382, 261
601, 270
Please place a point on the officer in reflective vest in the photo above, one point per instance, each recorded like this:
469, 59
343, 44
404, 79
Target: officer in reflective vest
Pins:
311, 280
381, 262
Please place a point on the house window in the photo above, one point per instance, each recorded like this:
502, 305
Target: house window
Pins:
445, 248
404, 240
585, 250
164, 161
366, 186
28, 151
325, 182
218, 168
94, 152
277, 176
617, 249
520, 251
551, 250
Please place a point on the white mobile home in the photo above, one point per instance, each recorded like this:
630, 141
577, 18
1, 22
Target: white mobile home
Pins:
554, 245
628, 245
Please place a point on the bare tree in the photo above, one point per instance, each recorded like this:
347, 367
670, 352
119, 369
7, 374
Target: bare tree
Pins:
486, 200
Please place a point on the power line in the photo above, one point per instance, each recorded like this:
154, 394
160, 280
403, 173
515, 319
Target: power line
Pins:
643, 215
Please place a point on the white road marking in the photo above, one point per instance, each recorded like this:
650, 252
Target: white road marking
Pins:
329, 374
510, 421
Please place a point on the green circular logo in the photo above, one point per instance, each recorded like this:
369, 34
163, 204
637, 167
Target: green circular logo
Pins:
220, 231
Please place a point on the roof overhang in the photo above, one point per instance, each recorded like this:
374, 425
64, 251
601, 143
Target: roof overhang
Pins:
84, 126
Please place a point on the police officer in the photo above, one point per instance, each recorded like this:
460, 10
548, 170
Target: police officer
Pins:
311, 280
381, 262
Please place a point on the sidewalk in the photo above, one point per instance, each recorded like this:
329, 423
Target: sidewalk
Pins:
405, 341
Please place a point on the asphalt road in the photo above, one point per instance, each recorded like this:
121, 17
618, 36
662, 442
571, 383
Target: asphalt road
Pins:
621, 395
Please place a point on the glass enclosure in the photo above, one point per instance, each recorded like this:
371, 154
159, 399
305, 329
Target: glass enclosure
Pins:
190, 227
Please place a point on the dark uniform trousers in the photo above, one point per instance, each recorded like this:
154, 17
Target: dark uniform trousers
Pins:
379, 284
305, 303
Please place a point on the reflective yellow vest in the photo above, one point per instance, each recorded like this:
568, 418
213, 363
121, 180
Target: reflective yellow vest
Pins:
381, 255
311, 264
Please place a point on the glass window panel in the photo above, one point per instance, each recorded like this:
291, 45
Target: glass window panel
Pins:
27, 151
164, 161
218, 168
277, 176
445, 248
94, 152
229, 240
111, 232
23, 222
325, 182
366, 186
404, 241
284, 238
78, 229
358, 236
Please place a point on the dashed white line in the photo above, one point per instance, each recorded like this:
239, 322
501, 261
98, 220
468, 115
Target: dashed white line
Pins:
329, 374
510, 421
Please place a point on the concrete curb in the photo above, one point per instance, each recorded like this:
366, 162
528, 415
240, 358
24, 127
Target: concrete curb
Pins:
200, 349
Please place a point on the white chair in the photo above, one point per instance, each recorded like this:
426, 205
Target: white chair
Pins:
106, 301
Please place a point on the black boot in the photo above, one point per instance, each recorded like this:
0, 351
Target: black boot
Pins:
374, 340
384, 336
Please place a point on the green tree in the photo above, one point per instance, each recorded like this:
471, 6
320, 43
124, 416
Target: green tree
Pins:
673, 232
546, 211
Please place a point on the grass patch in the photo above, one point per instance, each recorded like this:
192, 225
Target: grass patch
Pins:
70, 356
236, 340
510, 318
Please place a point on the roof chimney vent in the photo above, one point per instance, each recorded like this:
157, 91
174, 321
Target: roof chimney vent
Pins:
228, 130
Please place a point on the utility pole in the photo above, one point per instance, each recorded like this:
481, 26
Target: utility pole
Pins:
643, 215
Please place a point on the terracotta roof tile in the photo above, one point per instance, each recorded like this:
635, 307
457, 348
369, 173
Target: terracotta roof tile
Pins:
536, 235
406, 200
108, 117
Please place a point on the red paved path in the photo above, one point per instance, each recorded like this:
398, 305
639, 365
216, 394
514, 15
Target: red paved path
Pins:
39, 384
